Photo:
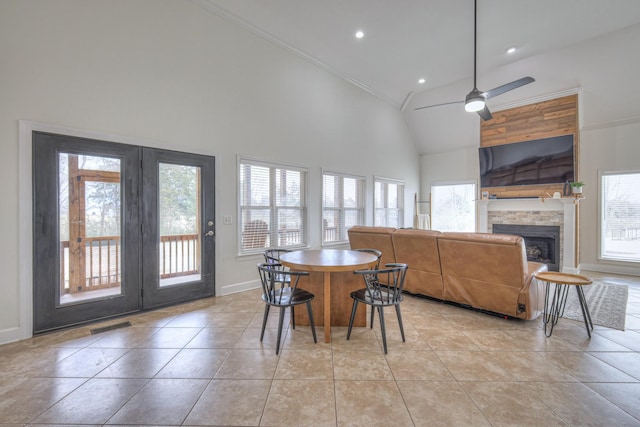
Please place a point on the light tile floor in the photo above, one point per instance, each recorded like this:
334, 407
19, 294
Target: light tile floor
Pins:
202, 363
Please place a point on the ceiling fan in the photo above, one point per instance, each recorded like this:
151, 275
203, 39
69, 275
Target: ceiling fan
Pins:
475, 101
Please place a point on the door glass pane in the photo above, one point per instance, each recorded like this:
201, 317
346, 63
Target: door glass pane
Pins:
89, 204
179, 224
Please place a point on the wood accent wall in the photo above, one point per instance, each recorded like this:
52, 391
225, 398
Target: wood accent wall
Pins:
545, 119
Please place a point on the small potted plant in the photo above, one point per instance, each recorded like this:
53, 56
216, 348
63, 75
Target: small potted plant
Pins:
576, 187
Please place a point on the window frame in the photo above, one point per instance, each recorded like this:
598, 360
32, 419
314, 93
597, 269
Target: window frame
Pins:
472, 182
601, 221
386, 208
272, 208
343, 236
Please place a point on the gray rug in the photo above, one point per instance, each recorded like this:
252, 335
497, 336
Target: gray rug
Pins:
607, 304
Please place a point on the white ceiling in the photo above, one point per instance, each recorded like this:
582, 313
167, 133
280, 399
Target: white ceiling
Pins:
433, 39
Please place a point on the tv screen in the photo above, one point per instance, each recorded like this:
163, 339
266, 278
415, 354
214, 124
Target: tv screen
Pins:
540, 161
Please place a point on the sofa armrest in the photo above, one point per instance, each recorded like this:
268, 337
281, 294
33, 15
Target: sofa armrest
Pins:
533, 290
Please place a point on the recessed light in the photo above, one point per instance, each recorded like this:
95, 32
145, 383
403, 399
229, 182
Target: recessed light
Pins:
421, 81
511, 50
359, 34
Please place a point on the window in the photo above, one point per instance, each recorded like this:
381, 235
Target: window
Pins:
342, 205
453, 207
388, 203
620, 216
273, 209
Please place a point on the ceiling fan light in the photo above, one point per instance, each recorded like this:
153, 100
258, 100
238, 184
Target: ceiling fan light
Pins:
474, 101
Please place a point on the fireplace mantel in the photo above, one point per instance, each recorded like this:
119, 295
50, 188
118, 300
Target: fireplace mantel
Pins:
566, 205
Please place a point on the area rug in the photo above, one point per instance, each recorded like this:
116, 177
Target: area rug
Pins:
607, 304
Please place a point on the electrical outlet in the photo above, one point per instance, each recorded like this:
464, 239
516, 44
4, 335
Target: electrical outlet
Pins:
227, 220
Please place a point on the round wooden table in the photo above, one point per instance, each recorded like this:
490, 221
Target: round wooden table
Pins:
554, 309
327, 261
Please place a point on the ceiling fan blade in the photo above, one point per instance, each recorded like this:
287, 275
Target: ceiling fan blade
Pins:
438, 105
485, 114
509, 86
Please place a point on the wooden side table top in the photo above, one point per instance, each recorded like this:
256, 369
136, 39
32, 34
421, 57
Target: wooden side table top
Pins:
563, 278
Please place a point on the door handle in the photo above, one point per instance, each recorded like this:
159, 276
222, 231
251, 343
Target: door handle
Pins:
209, 233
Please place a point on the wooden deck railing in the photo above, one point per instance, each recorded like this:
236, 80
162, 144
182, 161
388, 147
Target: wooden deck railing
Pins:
179, 256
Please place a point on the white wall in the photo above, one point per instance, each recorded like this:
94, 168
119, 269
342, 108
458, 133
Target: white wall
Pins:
170, 74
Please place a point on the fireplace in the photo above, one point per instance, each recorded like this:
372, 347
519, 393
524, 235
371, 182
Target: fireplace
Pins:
542, 242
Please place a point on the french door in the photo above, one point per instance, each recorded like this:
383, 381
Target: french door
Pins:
118, 228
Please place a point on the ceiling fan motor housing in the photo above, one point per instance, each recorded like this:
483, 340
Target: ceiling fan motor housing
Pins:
474, 101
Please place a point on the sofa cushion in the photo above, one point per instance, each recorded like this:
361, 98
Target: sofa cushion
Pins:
485, 271
379, 238
419, 250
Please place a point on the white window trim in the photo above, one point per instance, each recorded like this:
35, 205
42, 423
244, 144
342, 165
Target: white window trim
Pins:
361, 204
305, 194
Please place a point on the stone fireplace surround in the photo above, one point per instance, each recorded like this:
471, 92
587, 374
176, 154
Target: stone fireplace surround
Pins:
534, 211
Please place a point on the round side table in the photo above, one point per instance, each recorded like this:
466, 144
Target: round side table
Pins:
556, 299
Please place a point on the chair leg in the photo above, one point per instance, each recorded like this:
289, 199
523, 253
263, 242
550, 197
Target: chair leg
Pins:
400, 321
353, 316
264, 320
383, 330
373, 311
293, 317
313, 326
280, 323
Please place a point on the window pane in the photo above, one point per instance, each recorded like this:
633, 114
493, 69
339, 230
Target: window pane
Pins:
255, 230
290, 227
288, 184
331, 225
620, 232
379, 195
330, 191
351, 193
392, 195
254, 185
453, 207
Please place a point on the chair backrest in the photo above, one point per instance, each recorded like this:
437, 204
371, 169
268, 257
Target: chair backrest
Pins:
375, 252
385, 285
272, 256
278, 285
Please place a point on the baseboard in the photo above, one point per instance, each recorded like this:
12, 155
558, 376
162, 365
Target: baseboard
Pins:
10, 335
613, 269
239, 287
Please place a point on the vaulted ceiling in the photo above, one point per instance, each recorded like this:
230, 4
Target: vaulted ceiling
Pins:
408, 40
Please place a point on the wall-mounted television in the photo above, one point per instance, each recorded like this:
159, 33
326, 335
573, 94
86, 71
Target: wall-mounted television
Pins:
535, 162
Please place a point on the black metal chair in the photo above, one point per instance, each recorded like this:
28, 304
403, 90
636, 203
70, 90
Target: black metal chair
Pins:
280, 289
383, 289
372, 252
272, 256
377, 266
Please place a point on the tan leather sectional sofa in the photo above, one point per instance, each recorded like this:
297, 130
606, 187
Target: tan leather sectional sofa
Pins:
485, 271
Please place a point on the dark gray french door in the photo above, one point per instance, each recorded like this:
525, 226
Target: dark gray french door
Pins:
117, 229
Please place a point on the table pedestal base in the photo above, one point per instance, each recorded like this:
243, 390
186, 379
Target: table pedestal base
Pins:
338, 287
